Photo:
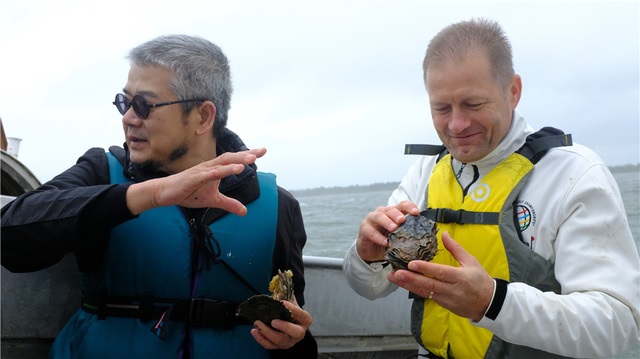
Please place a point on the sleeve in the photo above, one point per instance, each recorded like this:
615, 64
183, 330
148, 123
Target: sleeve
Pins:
596, 262
290, 240
370, 280
72, 212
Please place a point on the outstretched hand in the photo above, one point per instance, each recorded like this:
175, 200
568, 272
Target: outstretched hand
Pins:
372, 242
283, 335
196, 187
466, 290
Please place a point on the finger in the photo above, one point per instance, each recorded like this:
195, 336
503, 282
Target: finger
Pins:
231, 205
300, 315
256, 333
442, 273
407, 207
457, 251
258, 152
242, 157
398, 213
372, 233
385, 219
222, 171
393, 213
283, 335
413, 282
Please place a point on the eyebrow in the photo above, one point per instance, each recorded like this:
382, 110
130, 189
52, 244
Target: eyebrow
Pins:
143, 93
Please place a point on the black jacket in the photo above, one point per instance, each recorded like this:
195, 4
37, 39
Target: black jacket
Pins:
75, 211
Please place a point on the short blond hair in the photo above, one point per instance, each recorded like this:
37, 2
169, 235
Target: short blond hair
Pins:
456, 41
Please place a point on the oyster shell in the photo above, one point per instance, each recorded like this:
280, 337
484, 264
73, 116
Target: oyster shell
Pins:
414, 239
266, 308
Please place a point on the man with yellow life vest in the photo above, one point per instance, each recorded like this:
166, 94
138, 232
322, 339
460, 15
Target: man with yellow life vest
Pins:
532, 262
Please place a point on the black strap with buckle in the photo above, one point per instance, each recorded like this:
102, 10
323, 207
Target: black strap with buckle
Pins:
446, 215
204, 312
200, 312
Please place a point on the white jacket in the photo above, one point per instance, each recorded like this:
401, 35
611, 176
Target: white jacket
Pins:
579, 222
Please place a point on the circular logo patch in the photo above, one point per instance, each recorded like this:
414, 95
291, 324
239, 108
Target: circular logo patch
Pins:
481, 192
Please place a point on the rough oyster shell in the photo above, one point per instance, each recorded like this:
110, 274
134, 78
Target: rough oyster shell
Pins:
267, 308
414, 239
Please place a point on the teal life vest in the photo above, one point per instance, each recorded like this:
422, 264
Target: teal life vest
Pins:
151, 258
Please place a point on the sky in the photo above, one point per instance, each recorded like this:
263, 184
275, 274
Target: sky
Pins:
333, 89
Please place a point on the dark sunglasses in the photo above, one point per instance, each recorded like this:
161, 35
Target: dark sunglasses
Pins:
140, 105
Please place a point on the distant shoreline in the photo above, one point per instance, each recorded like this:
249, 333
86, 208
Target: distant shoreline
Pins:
390, 186
381, 186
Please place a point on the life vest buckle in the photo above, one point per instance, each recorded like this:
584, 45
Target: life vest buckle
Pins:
448, 215
208, 312
195, 312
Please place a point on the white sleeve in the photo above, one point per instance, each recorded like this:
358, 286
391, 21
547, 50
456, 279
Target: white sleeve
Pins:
413, 186
368, 280
597, 265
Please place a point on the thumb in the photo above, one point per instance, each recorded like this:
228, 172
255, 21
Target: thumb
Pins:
232, 205
457, 251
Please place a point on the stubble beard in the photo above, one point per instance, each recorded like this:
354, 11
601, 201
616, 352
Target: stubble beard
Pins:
154, 165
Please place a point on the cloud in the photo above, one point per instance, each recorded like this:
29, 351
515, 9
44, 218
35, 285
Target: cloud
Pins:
332, 88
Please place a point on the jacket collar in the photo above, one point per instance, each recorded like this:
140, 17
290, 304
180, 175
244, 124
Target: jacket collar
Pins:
514, 139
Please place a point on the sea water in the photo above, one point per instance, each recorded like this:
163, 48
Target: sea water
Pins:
332, 217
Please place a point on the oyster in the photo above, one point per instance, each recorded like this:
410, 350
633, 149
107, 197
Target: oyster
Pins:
266, 308
413, 239
281, 285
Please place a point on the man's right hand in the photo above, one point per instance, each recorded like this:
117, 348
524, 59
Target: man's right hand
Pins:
372, 242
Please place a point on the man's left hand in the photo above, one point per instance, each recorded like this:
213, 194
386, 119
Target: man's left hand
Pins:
283, 335
466, 290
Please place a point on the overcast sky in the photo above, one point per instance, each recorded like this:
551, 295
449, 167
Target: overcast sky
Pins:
332, 89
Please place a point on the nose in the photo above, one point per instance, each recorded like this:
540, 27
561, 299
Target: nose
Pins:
458, 121
131, 119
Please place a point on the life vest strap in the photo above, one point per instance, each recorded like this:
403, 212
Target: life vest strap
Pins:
426, 150
537, 144
447, 215
201, 312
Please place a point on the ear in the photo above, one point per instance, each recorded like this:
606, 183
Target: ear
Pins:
515, 91
207, 115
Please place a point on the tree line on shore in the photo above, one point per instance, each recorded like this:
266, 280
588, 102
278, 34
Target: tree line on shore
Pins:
390, 186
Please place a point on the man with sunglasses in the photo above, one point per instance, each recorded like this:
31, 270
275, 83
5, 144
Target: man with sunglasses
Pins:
172, 231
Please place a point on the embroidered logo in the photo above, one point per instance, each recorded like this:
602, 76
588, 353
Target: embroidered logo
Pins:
526, 215
481, 192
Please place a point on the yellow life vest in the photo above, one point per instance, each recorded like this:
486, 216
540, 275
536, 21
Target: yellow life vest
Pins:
484, 223
442, 332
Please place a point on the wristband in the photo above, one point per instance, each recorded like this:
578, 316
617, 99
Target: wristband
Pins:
498, 298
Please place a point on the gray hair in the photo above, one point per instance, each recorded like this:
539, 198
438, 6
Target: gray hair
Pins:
456, 41
201, 71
